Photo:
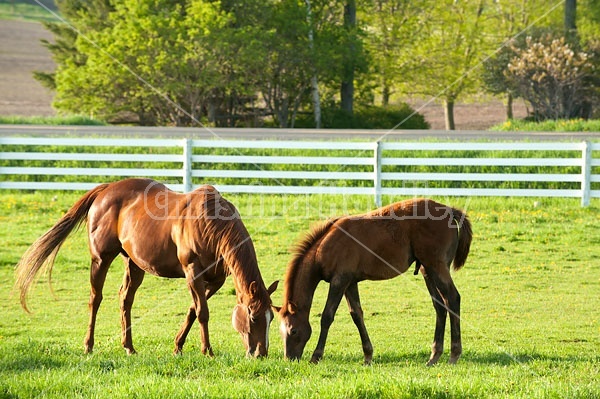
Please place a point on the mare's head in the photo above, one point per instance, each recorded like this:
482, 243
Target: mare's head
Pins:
252, 321
295, 330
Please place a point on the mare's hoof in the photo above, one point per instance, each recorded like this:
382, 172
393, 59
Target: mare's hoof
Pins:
130, 351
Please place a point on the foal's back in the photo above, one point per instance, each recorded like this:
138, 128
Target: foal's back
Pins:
383, 243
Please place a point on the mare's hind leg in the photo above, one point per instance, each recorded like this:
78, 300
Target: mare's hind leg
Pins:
211, 288
437, 348
131, 281
98, 270
445, 286
353, 300
337, 287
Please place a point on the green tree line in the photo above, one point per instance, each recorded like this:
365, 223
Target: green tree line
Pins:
304, 63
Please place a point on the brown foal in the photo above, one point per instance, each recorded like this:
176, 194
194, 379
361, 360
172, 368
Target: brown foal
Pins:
379, 245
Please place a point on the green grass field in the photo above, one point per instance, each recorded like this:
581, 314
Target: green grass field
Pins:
530, 320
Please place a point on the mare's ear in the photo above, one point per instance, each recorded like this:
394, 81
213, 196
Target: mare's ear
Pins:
292, 308
273, 287
240, 319
252, 289
276, 309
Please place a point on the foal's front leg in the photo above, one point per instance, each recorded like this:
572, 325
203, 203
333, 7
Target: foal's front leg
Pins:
353, 299
336, 291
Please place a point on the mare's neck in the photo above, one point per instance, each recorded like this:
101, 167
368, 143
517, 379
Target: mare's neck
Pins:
244, 268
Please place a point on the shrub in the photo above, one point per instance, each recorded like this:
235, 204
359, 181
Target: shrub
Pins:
556, 79
367, 117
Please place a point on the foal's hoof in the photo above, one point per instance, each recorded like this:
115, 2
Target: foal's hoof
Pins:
130, 351
453, 359
433, 359
316, 358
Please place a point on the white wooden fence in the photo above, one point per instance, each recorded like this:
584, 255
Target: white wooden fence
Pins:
368, 168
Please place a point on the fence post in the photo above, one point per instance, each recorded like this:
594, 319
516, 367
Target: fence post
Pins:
586, 173
187, 165
377, 173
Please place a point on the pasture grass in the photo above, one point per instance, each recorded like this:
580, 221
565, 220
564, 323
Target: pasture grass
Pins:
559, 125
26, 12
50, 120
530, 320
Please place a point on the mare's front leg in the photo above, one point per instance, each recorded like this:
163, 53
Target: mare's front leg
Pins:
196, 286
131, 282
353, 300
336, 291
211, 288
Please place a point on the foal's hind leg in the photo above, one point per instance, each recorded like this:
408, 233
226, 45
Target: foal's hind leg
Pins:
444, 284
131, 281
211, 288
437, 348
353, 300
98, 270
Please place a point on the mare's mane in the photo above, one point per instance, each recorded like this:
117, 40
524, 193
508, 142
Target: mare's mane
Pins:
299, 252
227, 237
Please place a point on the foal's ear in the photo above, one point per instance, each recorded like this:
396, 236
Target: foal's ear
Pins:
292, 308
252, 288
273, 287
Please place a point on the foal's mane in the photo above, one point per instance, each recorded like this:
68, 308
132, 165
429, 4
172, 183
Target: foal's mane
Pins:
300, 250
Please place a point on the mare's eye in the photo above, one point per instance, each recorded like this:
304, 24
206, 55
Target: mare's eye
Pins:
293, 331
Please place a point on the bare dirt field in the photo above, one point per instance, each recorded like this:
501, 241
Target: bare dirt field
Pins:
21, 53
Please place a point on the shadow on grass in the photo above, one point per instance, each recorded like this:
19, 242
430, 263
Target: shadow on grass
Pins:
480, 358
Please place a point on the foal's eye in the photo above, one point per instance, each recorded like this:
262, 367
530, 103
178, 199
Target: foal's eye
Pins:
293, 331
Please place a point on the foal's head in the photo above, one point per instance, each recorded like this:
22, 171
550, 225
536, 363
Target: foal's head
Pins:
295, 330
252, 322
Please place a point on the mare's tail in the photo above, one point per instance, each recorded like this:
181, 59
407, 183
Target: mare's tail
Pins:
43, 251
465, 235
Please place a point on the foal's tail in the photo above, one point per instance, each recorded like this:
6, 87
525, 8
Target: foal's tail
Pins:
43, 251
465, 235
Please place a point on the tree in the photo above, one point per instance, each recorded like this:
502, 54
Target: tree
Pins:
347, 85
82, 16
453, 45
571, 19
391, 28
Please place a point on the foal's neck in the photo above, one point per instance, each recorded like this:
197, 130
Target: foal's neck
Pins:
304, 284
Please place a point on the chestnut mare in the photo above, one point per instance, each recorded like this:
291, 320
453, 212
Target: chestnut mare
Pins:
198, 236
378, 245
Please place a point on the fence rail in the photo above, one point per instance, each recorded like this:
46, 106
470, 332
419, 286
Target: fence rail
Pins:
315, 167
